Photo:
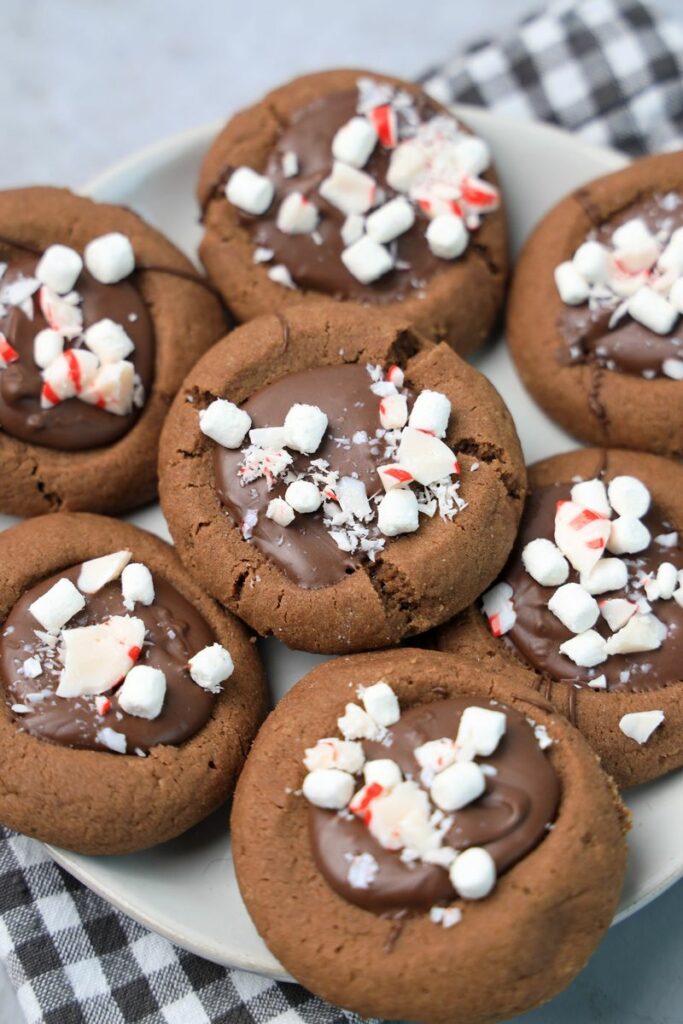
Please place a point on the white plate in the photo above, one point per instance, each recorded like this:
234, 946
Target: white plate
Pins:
186, 889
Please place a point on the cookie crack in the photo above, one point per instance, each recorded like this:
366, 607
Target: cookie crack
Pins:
492, 455
395, 592
483, 254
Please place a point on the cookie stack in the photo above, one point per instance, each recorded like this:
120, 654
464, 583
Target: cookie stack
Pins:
433, 833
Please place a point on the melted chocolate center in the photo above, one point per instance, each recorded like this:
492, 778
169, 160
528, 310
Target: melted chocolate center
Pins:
509, 820
537, 633
174, 632
72, 425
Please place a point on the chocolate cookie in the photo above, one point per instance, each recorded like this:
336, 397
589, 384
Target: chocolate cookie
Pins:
303, 450
594, 315
426, 812
594, 605
100, 319
357, 187
130, 697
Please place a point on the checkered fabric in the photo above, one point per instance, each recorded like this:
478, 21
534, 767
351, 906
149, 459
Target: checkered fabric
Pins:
610, 70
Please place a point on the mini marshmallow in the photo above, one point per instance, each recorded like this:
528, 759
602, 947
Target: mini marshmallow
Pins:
545, 563
305, 427
457, 786
617, 611
473, 873
47, 345
354, 142
330, 788
356, 724
480, 730
112, 740
498, 608
599, 683
592, 494
280, 512
628, 536
268, 437
667, 540
303, 496
628, 496
394, 476
224, 422
110, 258
390, 220
431, 412
641, 633
56, 606
249, 191
407, 163
639, 725
447, 236
573, 288
676, 294
367, 260
591, 261
607, 574
350, 190
673, 368
636, 248
383, 772
108, 341
290, 164
95, 658
398, 512
678, 596
574, 607
425, 456
137, 585
652, 310
210, 667
352, 229
297, 215
335, 753
97, 572
381, 703
580, 534
393, 412
667, 579
586, 649
472, 155
142, 692
353, 498
59, 268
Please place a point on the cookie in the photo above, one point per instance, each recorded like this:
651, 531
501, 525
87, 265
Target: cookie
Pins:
337, 481
426, 811
594, 314
357, 187
130, 697
100, 320
592, 601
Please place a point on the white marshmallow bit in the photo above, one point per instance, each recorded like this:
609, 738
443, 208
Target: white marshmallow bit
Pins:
367, 260
279, 274
480, 730
290, 164
354, 142
381, 703
350, 190
398, 512
224, 422
425, 456
676, 293
58, 268
352, 229
353, 498
329, 788
393, 412
249, 191
142, 692
391, 220
335, 753
268, 437
545, 563
592, 494
97, 572
667, 579
407, 162
652, 310
472, 155
678, 596
112, 740
304, 427
599, 683
447, 236
591, 260
628, 496
356, 724
457, 786
574, 607
667, 540
137, 585
108, 341
641, 633
607, 574
110, 258
580, 534
636, 248
210, 667
431, 411
573, 288
297, 215
303, 496
617, 611
382, 772
56, 606
498, 608
586, 650
47, 345
628, 536
280, 512
473, 873
639, 725
673, 368
95, 658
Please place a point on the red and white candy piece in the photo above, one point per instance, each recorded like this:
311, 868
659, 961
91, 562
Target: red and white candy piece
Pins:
592, 494
347, 188
305, 427
297, 215
47, 345
640, 725
385, 123
113, 388
385, 813
498, 608
361, 804
407, 163
398, 512
574, 607
586, 649
56, 606
473, 873
433, 756
63, 313
479, 195
224, 422
353, 498
616, 611
425, 456
354, 142
142, 692
249, 191
335, 753
110, 258
102, 704
641, 633
573, 288
580, 534
393, 412
457, 786
394, 476
59, 268
8, 354
592, 261
652, 310
381, 703
303, 496
210, 667
607, 574
629, 496
390, 220
97, 572
329, 788
367, 260
635, 248
447, 236
109, 341
357, 724
98, 657
430, 413
67, 376
137, 586
395, 376
628, 536
382, 772
280, 512
545, 563
480, 731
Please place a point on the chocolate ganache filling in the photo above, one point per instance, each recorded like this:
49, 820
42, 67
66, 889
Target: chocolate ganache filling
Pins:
509, 820
537, 633
175, 631
71, 424
602, 330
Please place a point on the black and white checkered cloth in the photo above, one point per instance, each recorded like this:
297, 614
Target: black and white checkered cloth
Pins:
610, 70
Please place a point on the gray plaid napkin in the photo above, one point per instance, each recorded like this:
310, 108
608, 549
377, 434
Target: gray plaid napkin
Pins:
610, 70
